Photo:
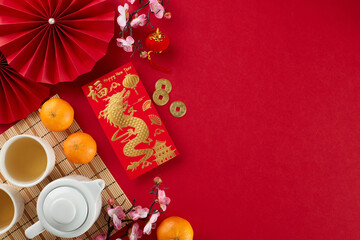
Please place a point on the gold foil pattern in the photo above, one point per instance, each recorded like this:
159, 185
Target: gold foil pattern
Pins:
146, 105
115, 114
163, 153
130, 81
155, 120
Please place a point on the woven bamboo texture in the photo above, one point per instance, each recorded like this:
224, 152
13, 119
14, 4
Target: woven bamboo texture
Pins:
32, 125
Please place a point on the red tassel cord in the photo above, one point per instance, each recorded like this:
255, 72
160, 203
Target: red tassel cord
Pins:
156, 66
157, 42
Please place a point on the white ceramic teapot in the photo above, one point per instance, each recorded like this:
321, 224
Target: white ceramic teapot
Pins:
68, 207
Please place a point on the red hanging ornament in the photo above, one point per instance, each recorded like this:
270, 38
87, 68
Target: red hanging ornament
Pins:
157, 42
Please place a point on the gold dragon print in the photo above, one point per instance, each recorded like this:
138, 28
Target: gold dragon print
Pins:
115, 114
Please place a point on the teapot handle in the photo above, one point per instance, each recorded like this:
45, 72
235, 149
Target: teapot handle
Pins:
34, 230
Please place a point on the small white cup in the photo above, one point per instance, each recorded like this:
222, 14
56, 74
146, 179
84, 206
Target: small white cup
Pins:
50, 157
18, 203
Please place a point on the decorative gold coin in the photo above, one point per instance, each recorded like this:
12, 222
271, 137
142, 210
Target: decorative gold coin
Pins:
163, 83
178, 109
161, 97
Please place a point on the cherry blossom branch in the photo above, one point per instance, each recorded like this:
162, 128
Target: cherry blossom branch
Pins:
128, 25
128, 21
116, 215
148, 18
126, 232
110, 229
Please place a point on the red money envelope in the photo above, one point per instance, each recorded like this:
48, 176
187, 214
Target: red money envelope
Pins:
130, 121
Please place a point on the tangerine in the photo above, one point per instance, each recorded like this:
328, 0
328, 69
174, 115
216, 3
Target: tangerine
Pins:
80, 148
175, 228
57, 114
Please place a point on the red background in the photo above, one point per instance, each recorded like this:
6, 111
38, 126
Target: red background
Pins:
270, 144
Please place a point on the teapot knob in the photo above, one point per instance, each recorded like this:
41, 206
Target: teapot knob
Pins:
58, 213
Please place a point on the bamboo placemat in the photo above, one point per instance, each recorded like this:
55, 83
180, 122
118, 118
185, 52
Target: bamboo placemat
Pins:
32, 125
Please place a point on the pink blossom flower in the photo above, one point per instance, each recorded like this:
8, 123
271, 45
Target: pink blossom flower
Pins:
131, 1
138, 21
126, 44
139, 212
135, 232
117, 214
151, 223
116, 211
117, 223
157, 8
164, 201
157, 180
100, 237
167, 15
124, 15
111, 201
143, 54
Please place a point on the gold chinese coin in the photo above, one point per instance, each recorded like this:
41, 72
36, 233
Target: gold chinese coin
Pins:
163, 83
160, 97
178, 109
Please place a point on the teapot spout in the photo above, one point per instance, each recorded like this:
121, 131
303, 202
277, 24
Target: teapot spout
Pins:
95, 187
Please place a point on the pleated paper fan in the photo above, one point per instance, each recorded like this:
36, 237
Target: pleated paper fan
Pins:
52, 41
18, 96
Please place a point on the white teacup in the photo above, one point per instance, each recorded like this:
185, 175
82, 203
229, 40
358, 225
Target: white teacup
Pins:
26, 160
11, 207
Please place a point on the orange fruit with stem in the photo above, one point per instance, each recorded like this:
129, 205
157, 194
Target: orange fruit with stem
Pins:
175, 228
57, 114
80, 148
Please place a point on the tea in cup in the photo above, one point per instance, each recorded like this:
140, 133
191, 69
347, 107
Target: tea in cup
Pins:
11, 207
26, 160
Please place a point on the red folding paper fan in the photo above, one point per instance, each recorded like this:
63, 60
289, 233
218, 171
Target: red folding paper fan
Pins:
18, 96
52, 41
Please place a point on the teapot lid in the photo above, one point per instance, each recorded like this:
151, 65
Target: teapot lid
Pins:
65, 208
